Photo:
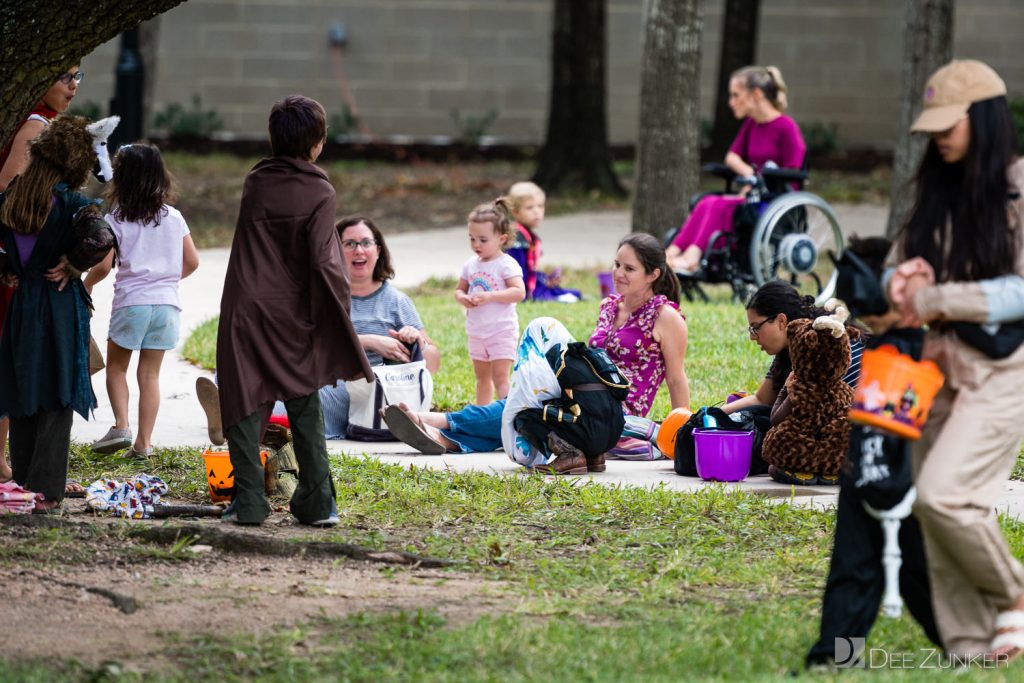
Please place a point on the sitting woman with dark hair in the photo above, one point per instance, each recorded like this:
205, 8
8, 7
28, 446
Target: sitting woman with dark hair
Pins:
642, 331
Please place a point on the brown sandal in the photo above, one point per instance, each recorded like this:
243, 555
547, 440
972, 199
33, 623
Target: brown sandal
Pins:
406, 429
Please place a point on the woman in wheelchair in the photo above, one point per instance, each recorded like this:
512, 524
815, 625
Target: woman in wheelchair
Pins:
758, 95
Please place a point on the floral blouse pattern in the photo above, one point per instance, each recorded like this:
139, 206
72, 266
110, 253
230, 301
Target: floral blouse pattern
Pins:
632, 347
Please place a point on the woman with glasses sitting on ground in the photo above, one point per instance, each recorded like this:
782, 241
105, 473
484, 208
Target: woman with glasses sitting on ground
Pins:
385, 319
769, 312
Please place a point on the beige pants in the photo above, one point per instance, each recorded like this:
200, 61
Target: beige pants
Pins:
964, 457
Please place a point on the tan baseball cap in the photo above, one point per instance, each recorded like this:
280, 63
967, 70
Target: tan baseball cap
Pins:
952, 89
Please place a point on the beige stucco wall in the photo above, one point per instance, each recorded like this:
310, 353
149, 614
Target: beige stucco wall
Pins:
410, 62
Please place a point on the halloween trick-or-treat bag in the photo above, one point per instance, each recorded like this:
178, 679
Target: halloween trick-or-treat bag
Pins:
409, 383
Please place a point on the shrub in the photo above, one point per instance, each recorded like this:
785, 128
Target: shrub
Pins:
188, 124
470, 129
821, 138
707, 130
1017, 110
344, 123
89, 109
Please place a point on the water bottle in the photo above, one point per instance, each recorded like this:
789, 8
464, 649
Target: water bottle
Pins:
710, 422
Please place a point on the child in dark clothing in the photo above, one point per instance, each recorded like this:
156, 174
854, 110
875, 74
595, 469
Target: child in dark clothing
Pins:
877, 474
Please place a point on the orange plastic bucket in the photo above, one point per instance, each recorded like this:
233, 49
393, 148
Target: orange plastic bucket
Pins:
895, 392
220, 475
670, 429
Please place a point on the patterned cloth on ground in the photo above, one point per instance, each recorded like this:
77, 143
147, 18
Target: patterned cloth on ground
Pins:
134, 498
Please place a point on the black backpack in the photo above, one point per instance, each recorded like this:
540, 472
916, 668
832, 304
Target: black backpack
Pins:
757, 418
588, 414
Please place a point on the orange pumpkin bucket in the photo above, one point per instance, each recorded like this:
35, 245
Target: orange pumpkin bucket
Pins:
220, 475
670, 429
895, 392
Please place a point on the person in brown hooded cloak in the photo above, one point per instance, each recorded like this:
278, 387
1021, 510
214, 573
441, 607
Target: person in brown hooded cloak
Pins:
284, 328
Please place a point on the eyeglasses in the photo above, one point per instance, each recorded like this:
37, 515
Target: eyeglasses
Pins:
67, 77
350, 245
755, 329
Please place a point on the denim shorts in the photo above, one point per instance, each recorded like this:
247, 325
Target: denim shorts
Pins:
145, 327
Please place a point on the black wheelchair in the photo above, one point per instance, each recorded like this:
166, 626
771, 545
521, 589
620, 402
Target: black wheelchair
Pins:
779, 232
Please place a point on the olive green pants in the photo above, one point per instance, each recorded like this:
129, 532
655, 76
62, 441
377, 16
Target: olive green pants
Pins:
314, 496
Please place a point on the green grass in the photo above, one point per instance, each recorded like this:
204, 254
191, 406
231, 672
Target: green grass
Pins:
605, 584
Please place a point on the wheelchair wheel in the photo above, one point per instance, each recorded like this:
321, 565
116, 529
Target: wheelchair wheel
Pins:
792, 241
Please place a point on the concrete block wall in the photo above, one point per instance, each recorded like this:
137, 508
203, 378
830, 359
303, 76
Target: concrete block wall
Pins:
409, 63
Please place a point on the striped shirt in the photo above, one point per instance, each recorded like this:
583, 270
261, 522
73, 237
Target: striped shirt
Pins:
852, 372
384, 310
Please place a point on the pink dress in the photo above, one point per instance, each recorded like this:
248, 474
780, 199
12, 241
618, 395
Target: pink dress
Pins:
632, 347
757, 143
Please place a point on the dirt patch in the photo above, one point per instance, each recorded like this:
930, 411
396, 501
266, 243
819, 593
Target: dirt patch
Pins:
46, 570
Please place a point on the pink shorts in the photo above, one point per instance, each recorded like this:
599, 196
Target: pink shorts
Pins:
500, 346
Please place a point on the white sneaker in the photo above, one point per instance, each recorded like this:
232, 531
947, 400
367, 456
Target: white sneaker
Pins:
330, 520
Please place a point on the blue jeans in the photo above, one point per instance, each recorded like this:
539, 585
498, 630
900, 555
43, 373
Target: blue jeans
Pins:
476, 429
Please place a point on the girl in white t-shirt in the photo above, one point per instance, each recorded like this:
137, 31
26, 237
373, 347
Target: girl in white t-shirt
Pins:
490, 285
155, 251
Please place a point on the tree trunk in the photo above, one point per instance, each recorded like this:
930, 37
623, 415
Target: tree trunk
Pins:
149, 41
42, 39
668, 142
575, 154
927, 45
739, 49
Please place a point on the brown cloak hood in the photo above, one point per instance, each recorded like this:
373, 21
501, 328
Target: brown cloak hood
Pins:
284, 329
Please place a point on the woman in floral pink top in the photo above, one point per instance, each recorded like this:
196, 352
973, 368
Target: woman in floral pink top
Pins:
640, 325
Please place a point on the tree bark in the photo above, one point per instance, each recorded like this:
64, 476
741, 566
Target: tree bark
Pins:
149, 41
575, 154
739, 49
927, 45
668, 142
42, 39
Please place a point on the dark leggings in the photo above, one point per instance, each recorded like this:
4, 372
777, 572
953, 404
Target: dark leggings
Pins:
39, 451
856, 578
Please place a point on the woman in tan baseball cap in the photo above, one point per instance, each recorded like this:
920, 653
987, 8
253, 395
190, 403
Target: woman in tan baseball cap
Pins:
961, 271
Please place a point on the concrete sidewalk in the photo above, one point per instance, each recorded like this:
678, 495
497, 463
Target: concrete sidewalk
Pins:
585, 240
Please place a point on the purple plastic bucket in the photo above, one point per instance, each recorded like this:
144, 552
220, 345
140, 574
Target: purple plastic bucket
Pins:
723, 455
607, 284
